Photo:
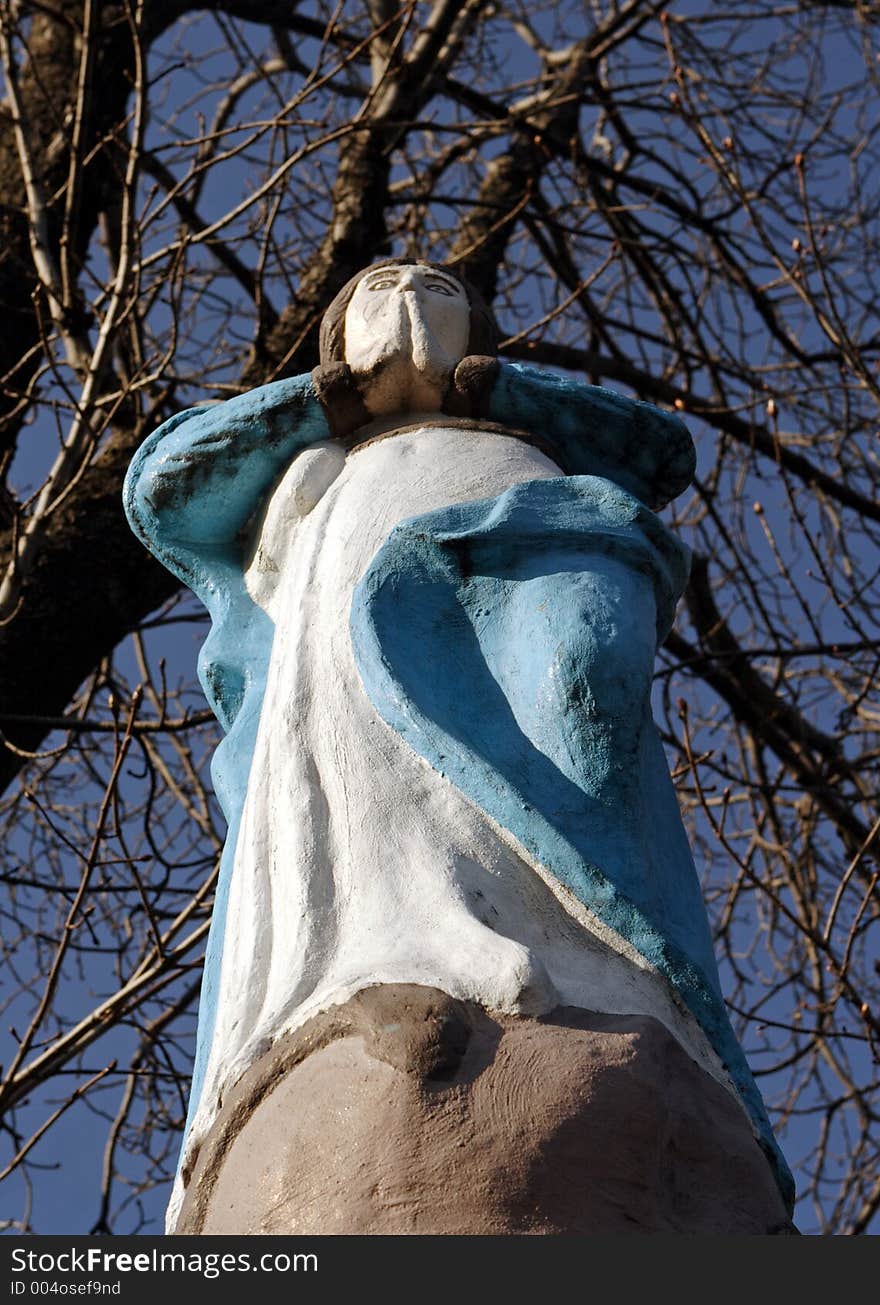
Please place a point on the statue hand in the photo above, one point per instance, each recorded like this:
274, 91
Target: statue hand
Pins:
472, 381
339, 394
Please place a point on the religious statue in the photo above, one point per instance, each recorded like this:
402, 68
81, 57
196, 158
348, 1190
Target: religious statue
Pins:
460, 976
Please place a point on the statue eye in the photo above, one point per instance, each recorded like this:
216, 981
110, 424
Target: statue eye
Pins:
383, 283
439, 288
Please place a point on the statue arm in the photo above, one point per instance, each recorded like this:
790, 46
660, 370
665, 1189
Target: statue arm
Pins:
598, 432
198, 479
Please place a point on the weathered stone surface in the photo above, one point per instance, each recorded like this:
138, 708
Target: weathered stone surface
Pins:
432, 649
406, 1112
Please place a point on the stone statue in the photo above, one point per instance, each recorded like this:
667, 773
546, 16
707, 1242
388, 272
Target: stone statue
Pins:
460, 976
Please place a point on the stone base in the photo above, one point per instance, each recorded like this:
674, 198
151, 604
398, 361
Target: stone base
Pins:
405, 1111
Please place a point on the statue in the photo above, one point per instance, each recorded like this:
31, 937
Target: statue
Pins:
437, 584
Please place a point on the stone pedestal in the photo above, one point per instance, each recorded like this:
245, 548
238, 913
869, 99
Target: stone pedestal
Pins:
406, 1112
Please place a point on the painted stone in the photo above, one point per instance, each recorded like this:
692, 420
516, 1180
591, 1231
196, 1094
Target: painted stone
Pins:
437, 584
405, 1112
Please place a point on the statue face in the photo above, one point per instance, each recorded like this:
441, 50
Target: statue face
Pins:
407, 312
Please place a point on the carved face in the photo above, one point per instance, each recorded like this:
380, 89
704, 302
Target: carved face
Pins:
407, 311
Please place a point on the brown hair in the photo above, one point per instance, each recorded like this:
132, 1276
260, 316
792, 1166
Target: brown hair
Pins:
483, 337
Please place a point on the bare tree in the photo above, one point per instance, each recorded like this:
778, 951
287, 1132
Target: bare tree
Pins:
679, 202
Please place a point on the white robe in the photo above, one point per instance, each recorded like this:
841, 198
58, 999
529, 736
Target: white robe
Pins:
357, 863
